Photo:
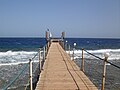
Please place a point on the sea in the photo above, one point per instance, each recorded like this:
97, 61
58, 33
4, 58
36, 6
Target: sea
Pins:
16, 52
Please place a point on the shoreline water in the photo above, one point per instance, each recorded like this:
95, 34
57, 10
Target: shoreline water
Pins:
93, 68
15, 53
20, 57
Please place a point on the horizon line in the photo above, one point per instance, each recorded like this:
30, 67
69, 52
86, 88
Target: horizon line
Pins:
55, 37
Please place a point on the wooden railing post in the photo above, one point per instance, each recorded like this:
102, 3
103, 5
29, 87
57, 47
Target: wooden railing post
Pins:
104, 70
40, 59
66, 48
69, 50
82, 63
44, 53
45, 50
74, 51
47, 47
30, 72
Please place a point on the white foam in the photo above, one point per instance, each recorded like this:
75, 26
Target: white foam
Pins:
16, 53
8, 64
17, 63
104, 50
15, 57
96, 51
19, 57
114, 53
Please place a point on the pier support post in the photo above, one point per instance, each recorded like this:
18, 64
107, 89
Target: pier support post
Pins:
30, 71
82, 63
104, 70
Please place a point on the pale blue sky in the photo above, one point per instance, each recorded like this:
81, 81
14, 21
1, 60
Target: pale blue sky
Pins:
78, 18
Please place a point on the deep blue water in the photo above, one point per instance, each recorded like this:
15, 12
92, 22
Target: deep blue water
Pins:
95, 43
18, 44
32, 44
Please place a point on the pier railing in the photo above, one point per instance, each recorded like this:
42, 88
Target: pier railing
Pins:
103, 73
29, 74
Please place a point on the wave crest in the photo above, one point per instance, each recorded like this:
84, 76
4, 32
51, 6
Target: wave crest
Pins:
15, 57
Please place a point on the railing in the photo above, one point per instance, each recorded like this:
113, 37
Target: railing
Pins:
103, 73
94, 68
30, 72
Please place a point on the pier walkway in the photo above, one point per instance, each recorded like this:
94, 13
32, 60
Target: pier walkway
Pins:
60, 73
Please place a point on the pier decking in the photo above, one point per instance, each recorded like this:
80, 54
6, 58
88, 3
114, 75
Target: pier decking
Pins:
60, 73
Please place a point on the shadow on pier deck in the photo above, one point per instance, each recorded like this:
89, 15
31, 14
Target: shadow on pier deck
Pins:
59, 72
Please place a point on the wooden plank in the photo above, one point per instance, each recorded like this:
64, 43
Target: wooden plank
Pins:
59, 72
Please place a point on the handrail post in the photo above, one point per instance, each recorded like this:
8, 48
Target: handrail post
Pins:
73, 53
47, 47
69, 50
40, 59
45, 50
74, 50
82, 64
66, 48
43, 60
104, 71
44, 53
30, 71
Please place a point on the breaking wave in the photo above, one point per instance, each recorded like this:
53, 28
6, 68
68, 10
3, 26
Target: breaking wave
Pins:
15, 57
114, 54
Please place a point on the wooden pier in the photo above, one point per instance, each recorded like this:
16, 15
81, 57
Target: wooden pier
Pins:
61, 73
